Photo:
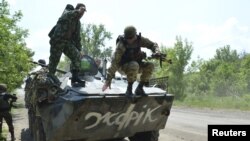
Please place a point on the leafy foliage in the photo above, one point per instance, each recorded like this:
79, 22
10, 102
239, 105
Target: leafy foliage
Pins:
14, 55
180, 54
227, 74
93, 40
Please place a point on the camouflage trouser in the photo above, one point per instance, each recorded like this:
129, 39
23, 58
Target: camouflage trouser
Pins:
68, 49
131, 69
8, 118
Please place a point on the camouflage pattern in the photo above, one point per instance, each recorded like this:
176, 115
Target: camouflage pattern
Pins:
85, 113
39, 88
131, 69
66, 39
46, 88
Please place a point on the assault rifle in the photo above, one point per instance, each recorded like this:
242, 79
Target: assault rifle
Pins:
159, 56
46, 66
12, 101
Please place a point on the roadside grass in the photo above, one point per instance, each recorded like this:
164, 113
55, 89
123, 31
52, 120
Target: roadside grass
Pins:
230, 102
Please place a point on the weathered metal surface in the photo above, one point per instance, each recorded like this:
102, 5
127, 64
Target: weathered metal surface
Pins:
94, 117
88, 114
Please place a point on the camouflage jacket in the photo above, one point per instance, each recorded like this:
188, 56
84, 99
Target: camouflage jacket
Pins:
68, 28
121, 49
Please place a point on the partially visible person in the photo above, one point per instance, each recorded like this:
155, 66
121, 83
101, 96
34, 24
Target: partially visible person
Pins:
5, 107
128, 58
65, 38
29, 83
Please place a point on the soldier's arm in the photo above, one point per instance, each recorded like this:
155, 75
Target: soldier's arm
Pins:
10, 96
145, 42
116, 58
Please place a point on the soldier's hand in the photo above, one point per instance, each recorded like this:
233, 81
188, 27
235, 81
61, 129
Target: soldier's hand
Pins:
105, 86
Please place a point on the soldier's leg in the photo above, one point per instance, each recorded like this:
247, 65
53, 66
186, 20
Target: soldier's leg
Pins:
147, 69
8, 118
131, 70
55, 55
74, 55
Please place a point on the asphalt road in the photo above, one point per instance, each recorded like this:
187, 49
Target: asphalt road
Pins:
186, 124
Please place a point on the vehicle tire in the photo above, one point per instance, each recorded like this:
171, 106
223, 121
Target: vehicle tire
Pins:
145, 136
39, 131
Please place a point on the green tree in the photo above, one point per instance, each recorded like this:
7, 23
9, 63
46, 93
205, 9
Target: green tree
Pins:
226, 54
245, 71
197, 82
93, 41
180, 55
14, 55
220, 75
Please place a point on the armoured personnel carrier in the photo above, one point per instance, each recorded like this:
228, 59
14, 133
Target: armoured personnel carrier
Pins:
65, 113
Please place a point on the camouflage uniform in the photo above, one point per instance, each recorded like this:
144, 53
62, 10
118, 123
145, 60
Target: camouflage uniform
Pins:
65, 38
129, 61
5, 108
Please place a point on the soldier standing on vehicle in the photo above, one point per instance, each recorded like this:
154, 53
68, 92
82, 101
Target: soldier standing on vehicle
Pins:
128, 58
65, 38
5, 108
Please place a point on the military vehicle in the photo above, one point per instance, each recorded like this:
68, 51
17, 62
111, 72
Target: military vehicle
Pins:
65, 113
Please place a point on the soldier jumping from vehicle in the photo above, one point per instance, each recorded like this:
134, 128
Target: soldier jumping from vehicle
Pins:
128, 58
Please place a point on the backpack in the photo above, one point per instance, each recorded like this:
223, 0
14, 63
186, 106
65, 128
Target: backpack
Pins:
4, 104
68, 7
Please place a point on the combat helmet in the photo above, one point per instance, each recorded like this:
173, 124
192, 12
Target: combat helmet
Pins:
3, 87
42, 61
129, 32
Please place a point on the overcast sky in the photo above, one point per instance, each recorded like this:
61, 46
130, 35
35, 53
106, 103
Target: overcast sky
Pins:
208, 24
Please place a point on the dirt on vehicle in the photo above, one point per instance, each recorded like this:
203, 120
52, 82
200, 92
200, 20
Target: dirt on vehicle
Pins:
60, 110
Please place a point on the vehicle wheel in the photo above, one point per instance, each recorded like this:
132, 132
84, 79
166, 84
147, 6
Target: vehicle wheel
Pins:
145, 136
39, 131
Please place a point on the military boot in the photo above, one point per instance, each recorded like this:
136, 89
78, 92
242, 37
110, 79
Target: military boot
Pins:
139, 90
75, 80
129, 92
54, 79
12, 136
